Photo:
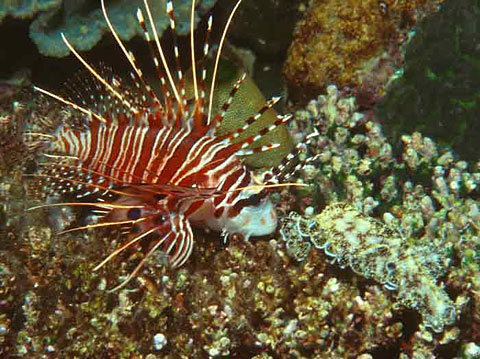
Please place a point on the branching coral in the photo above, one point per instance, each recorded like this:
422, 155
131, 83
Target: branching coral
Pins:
425, 197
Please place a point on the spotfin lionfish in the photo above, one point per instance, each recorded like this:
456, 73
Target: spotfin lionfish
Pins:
156, 163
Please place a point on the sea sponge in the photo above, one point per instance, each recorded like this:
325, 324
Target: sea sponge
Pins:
339, 41
84, 25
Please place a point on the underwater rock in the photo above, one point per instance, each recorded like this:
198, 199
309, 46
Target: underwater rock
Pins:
247, 101
84, 26
439, 91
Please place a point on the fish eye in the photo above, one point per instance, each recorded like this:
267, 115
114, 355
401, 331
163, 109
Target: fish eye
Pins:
159, 219
254, 199
133, 213
160, 196
135, 229
383, 6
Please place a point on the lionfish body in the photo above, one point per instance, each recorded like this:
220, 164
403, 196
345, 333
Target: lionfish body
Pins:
157, 164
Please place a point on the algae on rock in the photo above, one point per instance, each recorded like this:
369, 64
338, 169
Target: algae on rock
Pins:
439, 92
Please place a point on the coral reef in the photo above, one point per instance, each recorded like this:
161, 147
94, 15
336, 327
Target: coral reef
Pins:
83, 24
251, 300
425, 197
345, 42
438, 93
414, 204
248, 300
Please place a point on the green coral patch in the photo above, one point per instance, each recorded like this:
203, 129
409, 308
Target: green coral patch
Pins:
247, 101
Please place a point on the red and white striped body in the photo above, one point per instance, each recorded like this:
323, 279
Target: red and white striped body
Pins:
156, 164
125, 155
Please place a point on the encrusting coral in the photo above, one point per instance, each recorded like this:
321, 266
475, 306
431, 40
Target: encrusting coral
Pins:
83, 24
26, 9
345, 41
